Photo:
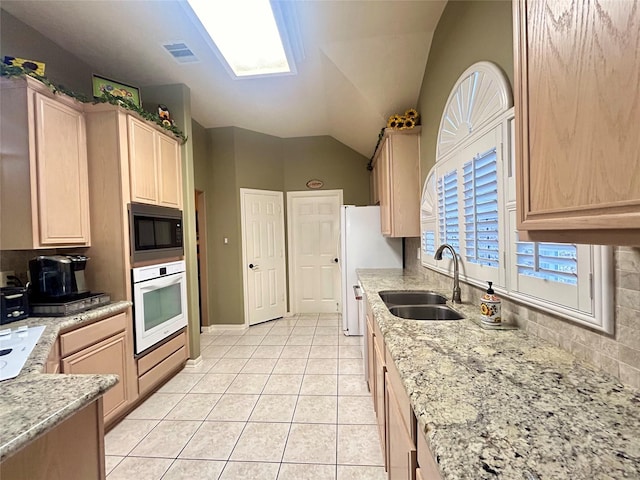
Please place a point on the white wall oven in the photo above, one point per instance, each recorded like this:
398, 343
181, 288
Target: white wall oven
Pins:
159, 302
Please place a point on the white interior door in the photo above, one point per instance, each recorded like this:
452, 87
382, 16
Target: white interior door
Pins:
262, 216
314, 234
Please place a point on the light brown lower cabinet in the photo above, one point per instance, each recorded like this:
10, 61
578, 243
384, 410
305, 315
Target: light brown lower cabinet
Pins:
380, 370
52, 365
371, 372
158, 364
401, 446
428, 469
73, 450
108, 356
103, 347
406, 453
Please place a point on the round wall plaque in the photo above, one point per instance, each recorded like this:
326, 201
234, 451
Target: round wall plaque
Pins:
315, 184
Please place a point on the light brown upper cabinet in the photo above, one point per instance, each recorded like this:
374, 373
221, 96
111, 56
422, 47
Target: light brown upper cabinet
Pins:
396, 170
155, 168
374, 183
577, 72
44, 182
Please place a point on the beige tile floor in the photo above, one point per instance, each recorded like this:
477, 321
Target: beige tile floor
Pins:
282, 400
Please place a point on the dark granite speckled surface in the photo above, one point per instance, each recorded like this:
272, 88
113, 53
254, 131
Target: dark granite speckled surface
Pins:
34, 402
505, 404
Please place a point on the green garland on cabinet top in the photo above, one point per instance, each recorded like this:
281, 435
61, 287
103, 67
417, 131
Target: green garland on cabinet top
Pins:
17, 71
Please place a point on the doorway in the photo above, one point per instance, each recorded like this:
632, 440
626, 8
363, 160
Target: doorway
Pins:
201, 252
313, 220
263, 257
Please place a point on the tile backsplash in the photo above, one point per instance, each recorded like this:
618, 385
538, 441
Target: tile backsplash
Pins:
617, 354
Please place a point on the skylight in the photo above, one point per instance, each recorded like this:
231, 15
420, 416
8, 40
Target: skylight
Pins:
246, 34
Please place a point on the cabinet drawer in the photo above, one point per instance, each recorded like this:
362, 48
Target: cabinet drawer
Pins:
159, 372
152, 359
428, 466
401, 394
83, 337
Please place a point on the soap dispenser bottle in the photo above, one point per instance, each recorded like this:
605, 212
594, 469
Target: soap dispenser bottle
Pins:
490, 307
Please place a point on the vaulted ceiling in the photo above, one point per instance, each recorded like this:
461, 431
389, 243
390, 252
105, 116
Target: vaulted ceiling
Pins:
361, 61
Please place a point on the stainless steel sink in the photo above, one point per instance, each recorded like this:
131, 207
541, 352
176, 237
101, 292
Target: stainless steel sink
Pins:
425, 312
411, 297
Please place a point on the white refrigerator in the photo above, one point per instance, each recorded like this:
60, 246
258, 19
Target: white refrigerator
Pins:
362, 246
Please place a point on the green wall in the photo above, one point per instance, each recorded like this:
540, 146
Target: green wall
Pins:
240, 158
177, 98
324, 158
17, 39
258, 159
225, 278
468, 32
201, 148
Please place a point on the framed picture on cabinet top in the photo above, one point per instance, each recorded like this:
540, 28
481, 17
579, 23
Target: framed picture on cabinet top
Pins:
117, 89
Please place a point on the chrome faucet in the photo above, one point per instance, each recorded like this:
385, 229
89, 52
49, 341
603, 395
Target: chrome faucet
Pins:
456, 282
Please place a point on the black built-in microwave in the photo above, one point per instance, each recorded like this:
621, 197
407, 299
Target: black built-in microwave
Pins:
156, 232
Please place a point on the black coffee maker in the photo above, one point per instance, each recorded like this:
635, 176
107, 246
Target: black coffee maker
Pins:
58, 277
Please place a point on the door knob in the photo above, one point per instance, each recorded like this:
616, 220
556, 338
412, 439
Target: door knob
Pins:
335, 260
252, 266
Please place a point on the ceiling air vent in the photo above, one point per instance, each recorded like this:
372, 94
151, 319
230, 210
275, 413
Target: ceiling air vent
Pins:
180, 52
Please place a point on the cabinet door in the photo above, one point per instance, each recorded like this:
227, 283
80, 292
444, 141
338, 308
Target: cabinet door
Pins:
108, 356
428, 467
371, 372
404, 184
375, 183
61, 173
143, 164
577, 112
379, 400
169, 172
386, 206
401, 449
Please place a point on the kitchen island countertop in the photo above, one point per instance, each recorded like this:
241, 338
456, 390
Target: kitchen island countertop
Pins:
503, 403
34, 402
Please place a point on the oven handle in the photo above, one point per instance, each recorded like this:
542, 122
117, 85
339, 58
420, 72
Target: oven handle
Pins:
155, 279
356, 292
159, 282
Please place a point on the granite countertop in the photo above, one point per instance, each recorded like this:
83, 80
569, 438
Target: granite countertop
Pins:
34, 402
503, 403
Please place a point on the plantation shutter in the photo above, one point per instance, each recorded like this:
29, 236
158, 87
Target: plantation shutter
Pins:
555, 262
429, 242
449, 230
480, 191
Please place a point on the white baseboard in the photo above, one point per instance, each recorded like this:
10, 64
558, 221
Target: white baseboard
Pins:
223, 326
194, 362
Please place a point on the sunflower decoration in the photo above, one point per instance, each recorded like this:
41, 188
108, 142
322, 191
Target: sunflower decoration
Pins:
408, 123
412, 113
404, 122
412, 118
395, 121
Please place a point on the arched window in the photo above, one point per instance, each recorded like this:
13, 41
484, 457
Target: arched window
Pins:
469, 201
